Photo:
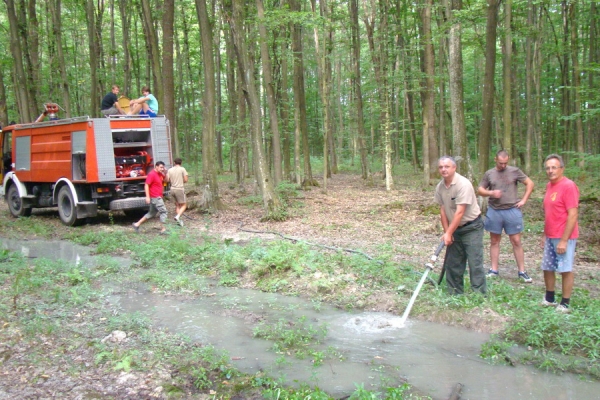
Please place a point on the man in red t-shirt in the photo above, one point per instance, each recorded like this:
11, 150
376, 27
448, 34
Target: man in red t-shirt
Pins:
561, 231
154, 193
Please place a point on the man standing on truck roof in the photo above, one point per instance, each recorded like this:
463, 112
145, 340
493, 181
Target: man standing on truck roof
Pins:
178, 176
145, 105
154, 197
110, 103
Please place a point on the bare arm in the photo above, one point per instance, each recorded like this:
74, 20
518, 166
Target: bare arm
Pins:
496, 194
572, 215
147, 190
529, 185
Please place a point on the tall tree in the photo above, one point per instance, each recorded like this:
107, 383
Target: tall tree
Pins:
167, 69
94, 48
507, 76
357, 88
430, 149
20, 79
55, 15
211, 199
485, 132
270, 91
300, 97
271, 202
151, 37
457, 109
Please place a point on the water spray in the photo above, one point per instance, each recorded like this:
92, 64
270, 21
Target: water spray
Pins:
428, 268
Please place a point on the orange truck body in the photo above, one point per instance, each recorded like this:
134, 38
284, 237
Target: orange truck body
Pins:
81, 165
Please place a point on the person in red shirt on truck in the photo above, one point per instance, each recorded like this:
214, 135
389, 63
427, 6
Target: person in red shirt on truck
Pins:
154, 197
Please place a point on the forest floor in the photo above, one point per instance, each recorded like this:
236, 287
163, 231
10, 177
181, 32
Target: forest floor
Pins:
402, 224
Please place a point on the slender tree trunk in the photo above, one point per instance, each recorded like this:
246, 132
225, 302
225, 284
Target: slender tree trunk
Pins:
576, 84
271, 202
360, 137
167, 70
270, 91
507, 61
153, 50
488, 86
285, 113
212, 200
94, 62
430, 150
125, 46
455, 64
300, 97
529, 88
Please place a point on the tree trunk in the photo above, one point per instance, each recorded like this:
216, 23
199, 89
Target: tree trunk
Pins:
430, 150
54, 6
270, 91
167, 69
457, 109
356, 81
271, 202
126, 62
151, 37
507, 61
300, 97
212, 199
95, 93
488, 86
576, 85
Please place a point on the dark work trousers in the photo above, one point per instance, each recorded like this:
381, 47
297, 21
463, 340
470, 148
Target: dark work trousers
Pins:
467, 247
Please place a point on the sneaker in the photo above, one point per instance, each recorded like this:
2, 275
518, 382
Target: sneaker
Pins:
562, 308
135, 228
523, 275
549, 304
492, 274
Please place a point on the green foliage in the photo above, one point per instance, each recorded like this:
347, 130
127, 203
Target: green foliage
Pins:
106, 242
295, 337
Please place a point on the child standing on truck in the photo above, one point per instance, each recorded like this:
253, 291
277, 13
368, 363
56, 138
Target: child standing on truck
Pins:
154, 197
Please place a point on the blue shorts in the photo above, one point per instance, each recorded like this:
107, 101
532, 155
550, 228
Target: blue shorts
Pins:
510, 220
558, 262
149, 113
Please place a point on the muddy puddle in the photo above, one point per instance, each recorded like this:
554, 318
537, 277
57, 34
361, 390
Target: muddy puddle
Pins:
369, 349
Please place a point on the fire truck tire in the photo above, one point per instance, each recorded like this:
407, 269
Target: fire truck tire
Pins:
15, 203
66, 207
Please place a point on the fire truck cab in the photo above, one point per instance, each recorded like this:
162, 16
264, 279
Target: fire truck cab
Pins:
81, 165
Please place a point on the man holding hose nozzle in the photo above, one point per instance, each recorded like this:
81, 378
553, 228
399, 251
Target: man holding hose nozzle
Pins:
463, 228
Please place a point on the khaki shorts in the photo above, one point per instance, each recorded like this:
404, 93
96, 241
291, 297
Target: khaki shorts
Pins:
178, 195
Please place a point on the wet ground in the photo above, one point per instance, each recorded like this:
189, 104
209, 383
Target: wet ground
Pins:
367, 348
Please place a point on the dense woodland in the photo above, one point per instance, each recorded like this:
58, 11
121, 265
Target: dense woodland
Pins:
259, 87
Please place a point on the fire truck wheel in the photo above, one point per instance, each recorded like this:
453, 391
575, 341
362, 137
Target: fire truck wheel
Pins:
15, 203
66, 207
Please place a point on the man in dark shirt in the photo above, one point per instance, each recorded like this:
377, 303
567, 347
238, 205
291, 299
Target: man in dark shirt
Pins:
504, 210
110, 103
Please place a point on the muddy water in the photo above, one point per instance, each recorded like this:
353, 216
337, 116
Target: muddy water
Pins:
371, 349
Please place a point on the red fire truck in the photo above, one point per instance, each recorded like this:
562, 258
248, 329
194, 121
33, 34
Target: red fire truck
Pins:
81, 165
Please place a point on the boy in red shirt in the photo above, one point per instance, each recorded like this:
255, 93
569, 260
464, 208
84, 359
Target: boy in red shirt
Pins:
154, 193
